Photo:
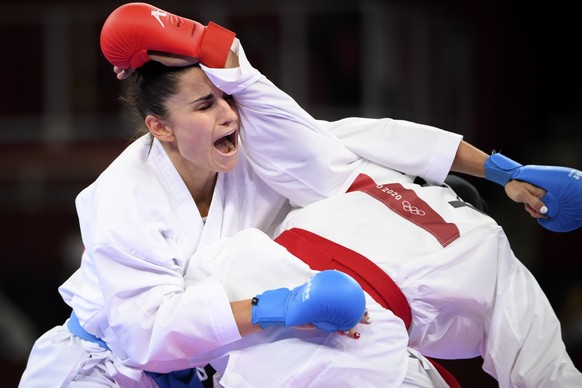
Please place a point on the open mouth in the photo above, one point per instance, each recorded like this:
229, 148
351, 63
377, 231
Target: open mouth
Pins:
226, 144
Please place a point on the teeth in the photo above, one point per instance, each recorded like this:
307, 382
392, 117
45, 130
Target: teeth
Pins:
230, 143
227, 143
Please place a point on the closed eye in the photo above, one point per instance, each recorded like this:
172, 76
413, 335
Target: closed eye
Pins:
204, 103
211, 99
205, 106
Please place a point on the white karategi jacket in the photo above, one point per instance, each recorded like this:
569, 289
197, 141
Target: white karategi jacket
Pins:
141, 230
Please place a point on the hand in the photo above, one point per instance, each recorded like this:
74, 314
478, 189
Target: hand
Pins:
562, 185
134, 30
351, 333
529, 195
330, 300
163, 58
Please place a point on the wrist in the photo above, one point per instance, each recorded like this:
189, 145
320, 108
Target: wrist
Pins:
242, 311
500, 169
215, 46
269, 308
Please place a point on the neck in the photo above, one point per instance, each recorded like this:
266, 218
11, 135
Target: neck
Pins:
200, 182
202, 191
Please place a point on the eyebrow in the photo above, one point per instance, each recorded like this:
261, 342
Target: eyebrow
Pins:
204, 98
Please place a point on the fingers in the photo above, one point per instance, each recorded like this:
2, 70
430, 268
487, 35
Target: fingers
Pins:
353, 332
536, 208
171, 59
122, 73
163, 58
307, 326
366, 318
529, 195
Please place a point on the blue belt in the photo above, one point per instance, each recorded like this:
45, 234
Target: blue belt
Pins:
177, 379
75, 327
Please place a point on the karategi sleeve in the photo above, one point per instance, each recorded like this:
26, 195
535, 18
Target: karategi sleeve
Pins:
411, 148
157, 323
306, 159
286, 146
131, 292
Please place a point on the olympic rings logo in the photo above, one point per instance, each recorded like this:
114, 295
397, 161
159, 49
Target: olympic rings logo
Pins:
407, 206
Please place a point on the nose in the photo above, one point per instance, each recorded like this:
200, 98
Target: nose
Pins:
228, 111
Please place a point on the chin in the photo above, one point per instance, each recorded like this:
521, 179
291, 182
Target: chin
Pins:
229, 165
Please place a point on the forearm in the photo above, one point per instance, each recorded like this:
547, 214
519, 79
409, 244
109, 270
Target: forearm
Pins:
285, 145
411, 148
231, 60
242, 311
469, 160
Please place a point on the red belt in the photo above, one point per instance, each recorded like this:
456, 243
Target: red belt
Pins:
322, 254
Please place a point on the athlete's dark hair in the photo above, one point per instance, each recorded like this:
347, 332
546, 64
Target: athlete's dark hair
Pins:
151, 86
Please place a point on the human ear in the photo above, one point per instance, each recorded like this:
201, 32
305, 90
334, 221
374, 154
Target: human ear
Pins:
158, 128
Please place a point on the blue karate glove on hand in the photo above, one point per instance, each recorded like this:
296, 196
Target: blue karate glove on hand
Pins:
563, 188
330, 300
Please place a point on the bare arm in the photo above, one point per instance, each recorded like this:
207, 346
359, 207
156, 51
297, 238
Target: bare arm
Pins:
471, 160
242, 311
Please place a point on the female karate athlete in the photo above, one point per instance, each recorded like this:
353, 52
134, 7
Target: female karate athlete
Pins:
142, 222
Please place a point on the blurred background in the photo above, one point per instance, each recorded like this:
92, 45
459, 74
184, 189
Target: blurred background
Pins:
505, 74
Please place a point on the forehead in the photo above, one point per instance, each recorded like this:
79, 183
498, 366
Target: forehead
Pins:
193, 83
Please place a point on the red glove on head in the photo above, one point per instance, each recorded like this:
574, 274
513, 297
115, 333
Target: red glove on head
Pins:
133, 29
